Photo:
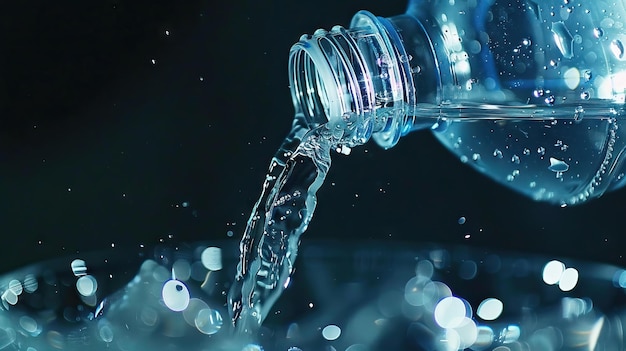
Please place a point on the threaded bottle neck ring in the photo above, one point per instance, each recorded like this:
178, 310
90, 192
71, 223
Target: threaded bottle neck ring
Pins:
358, 78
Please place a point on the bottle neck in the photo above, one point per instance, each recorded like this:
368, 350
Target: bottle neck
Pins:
362, 79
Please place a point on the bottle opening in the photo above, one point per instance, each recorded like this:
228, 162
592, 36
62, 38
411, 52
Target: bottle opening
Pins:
354, 74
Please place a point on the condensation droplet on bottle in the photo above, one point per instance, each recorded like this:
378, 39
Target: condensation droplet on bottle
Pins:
476, 157
587, 75
416, 70
538, 93
578, 39
563, 39
585, 95
617, 48
515, 159
526, 151
598, 32
510, 177
532, 184
550, 100
497, 153
464, 159
526, 42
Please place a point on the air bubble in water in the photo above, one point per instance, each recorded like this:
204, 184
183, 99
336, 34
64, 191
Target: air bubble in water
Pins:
579, 112
617, 48
557, 165
563, 39
541, 150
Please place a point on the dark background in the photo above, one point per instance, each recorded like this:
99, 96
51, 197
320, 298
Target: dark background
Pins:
99, 146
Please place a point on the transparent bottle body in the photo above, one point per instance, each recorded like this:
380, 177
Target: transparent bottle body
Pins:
541, 84
529, 93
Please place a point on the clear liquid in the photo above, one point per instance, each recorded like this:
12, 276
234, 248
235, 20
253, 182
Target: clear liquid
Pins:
269, 245
565, 154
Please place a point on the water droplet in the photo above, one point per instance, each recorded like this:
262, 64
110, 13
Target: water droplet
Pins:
557, 165
175, 295
553, 63
563, 39
617, 48
515, 159
208, 321
598, 32
497, 153
585, 95
550, 100
476, 157
587, 75
79, 268
462, 220
331, 332
538, 93
578, 39
532, 184
526, 42
211, 258
510, 178
526, 151
464, 159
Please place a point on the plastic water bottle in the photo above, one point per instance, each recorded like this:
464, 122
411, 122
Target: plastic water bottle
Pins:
529, 92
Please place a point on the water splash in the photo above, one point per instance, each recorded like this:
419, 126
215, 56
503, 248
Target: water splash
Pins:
270, 242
